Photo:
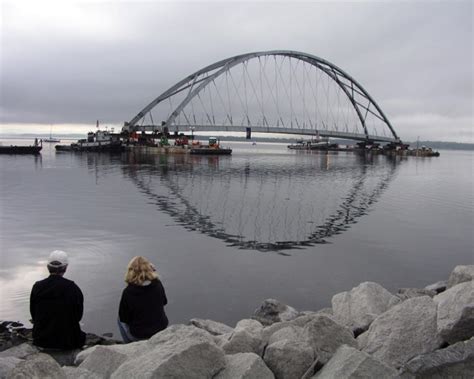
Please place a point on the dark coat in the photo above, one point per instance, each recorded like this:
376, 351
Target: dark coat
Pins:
56, 307
142, 308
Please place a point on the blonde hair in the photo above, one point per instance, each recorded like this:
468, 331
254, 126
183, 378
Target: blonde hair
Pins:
139, 270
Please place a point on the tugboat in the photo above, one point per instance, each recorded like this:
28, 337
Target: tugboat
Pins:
98, 141
213, 148
13, 149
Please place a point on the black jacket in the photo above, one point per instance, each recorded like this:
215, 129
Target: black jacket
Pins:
56, 306
142, 308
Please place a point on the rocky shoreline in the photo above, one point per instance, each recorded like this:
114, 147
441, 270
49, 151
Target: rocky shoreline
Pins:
368, 332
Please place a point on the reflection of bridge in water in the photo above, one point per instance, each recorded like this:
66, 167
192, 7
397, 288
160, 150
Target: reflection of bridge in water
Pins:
272, 203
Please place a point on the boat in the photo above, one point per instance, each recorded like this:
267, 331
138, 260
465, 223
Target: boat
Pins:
101, 140
317, 143
213, 148
51, 138
14, 149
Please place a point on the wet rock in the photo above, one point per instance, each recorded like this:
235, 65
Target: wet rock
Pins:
325, 336
7, 364
455, 361
461, 274
246, 338
79, 373
213, 327
456, 312
348, 362
288, 359
244, 366
404, 331
358, 307
272, 311
438, 287
177, 352
38, 366
20, 351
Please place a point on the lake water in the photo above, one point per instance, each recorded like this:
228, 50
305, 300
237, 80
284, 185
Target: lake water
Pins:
228, 232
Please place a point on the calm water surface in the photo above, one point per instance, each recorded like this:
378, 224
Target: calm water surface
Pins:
227, 232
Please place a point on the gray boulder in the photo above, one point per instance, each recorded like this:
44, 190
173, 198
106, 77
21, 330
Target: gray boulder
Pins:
246, 338
213, 327
358, 307
461, 274
289, 359
268, 331
325, 336
362, 340
272, 311
348, 362
20, 351
103, 361
7, 364
404, 331
290, 333
455, 361
177, 352
456, 312
409, 293
37, 366
438, 287
244, 366
79, 373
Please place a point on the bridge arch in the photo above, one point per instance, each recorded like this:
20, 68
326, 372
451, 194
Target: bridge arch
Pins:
363, 104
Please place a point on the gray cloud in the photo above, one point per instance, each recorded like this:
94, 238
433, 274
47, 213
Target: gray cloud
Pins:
108, 60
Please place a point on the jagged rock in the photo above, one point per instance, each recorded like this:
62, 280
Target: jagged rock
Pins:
289, 359
456, 312
244, 366
20, 351
438, 287
7, 364
404, 331
290, 333
348, 362
103, 361
179, 351
246, 338
268, 331
362, 340
37, 366
461, 274
325, 336
213, 327
358, 307
129, 350
409, 293
272, 311
455, 361
79, 373
63, 357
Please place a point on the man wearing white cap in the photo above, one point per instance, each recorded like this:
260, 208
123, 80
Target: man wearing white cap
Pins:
56, 307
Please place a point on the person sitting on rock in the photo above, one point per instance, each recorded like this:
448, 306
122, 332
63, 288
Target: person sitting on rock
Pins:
56, 307
141, 310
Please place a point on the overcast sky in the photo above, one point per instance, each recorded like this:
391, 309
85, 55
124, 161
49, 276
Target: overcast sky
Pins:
71, 63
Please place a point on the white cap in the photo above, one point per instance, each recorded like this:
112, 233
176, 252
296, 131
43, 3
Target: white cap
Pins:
58, 258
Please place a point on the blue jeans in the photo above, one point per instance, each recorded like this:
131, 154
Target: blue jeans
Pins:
125, 332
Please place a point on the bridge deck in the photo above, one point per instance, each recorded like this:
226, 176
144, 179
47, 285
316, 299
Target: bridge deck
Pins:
270, 129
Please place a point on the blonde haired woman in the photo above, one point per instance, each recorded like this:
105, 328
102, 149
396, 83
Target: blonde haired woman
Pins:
141, 310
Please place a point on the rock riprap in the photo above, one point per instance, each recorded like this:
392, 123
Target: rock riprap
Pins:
416, 333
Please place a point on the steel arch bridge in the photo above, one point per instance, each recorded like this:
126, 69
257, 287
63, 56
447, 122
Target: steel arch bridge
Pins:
279, 91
